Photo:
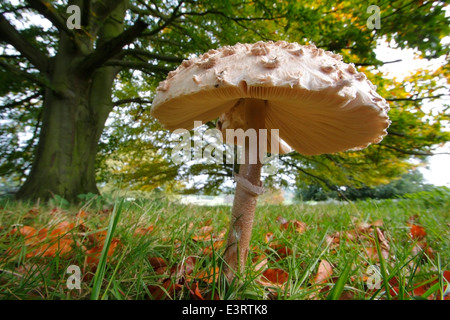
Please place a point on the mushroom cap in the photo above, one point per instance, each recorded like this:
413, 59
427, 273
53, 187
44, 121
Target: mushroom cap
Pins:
318, 103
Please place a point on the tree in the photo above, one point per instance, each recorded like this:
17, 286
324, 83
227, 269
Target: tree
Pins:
410, 182
60, 84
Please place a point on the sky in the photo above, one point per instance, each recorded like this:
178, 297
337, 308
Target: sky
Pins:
438, 171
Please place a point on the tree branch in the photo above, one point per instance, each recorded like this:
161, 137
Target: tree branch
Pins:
112, 47
323, 180
413, 153
20, 102
50, 13
415, 99
10, 35
143, 66
167, 20
32, 77
361, 64
151, 55
130, 100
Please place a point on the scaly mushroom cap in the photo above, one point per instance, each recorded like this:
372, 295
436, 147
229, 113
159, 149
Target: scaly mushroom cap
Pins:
318, 103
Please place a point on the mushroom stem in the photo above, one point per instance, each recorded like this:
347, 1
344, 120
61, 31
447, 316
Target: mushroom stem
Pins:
244, 204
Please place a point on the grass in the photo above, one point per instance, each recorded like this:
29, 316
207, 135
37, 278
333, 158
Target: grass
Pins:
155, 249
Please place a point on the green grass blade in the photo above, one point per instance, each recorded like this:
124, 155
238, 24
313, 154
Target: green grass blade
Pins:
339, 286
382, 265
101, 268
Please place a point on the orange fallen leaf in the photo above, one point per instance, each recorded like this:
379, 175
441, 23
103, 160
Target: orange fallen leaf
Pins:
216, 245
208, 276
97, 238
195, 291
168, 287
62, 228
25, 231
372, 253
93, 254
58, 247
299, 226
268, 237
203, 234
274, 276
378, 223
423, 246
333, 239
324, 273
141, 231
417, 232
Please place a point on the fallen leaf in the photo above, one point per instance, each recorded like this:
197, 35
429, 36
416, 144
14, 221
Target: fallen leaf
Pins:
58, 247
62, 229
203, 234
282, 221
299, 226
207, 251
324, 272
208, 276
97, 238
417, 232
93, 254
158, 264
333, 240
189, 265
142, 231
274, 276
33, 212
382, 240
25, 231
280, 249
165, 291
372, 253
378, 223
423, 246
268, 237
260, 262
195, 291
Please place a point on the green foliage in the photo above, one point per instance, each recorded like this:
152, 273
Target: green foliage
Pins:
134, 150
410, 183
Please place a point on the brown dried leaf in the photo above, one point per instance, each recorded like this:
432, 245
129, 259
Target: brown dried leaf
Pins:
143, 231
158, 264
324, 273
167, 290
260, 262
274, 277
268, 237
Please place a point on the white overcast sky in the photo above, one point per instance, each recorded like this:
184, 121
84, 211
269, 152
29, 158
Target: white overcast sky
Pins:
438, 171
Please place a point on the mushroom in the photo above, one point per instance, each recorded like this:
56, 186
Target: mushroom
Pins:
318, 103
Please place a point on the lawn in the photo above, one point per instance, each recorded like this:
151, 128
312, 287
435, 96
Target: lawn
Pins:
152, 248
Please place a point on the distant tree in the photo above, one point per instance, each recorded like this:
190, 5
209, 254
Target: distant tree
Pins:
411, 182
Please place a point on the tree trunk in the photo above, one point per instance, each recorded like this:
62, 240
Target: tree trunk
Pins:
72, 124
77, 103
74, 115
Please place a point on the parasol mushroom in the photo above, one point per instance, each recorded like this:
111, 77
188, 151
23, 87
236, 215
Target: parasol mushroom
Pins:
318, 103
